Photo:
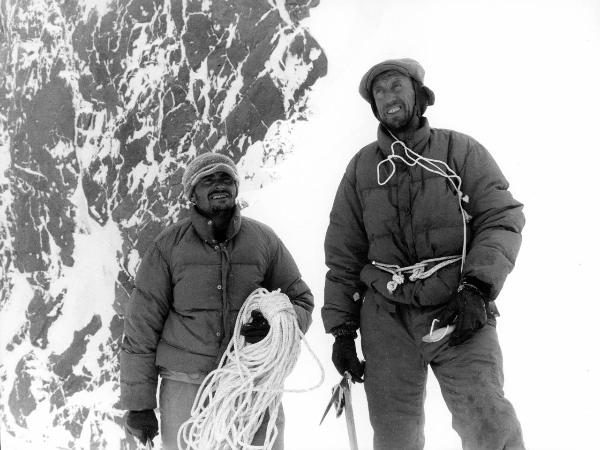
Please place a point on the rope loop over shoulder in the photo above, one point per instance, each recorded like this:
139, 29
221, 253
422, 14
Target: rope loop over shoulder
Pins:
436, 166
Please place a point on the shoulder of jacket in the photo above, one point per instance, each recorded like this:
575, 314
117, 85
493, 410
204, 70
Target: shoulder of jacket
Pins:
259, 235
367, 152
252, 225
173, 233
454, 136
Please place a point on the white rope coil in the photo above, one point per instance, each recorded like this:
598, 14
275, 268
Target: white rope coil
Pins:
233, 399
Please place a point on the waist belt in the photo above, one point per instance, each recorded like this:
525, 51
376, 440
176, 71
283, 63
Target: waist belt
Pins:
416, 271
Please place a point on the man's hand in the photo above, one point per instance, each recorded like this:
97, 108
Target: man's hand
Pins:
467, 310
344, 358
141, 424
255, 330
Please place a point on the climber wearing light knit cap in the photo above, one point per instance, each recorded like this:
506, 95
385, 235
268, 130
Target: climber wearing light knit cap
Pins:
422, 234
207, 164
189, 289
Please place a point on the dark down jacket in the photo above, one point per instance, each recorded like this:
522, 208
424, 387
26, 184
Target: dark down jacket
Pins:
416, 216
188, 292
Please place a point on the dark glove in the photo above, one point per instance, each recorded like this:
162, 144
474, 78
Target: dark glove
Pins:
467, 310
255, 330
141, 424
344, 358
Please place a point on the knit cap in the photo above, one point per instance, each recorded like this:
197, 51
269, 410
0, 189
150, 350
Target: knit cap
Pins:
207, 164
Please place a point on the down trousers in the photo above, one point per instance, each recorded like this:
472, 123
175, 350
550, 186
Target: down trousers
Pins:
176, 399
470, 377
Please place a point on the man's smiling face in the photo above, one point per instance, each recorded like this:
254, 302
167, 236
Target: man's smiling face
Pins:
215, 193
394, 98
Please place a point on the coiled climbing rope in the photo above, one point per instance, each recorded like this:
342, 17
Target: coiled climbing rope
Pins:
233, 399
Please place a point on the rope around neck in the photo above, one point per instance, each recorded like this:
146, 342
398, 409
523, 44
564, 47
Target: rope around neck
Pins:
232, 400
411, 159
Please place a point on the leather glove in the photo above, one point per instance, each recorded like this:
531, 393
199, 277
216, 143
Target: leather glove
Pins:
141, 424
255, 330
467, 310
344, 358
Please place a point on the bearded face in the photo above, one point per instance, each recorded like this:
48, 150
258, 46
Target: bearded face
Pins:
215, 193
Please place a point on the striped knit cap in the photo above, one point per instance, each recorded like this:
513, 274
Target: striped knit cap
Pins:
207, 164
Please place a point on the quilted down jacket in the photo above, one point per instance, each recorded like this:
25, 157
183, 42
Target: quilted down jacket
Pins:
416, 216
188, 291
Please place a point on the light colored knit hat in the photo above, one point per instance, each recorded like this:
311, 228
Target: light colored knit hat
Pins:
207, 164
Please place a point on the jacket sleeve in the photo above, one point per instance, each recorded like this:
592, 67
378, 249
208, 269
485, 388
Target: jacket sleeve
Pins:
496, 224
144, 319
283, 274
346, 253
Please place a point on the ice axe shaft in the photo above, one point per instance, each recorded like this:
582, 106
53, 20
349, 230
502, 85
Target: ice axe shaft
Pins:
349, 412
341, 400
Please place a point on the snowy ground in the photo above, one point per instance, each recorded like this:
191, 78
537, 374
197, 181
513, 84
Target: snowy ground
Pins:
520, 77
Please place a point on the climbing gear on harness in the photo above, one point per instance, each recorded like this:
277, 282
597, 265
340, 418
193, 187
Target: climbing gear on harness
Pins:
341, 398
416, 271
233, 399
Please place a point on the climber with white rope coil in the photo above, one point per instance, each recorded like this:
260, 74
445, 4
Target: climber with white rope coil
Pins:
422, 234
189, 289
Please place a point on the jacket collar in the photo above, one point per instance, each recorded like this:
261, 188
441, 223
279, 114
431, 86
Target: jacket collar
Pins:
205, 228
415, 140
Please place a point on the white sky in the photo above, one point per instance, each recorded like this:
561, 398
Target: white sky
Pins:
522, 78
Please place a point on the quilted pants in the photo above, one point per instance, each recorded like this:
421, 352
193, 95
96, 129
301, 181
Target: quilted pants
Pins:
470, 376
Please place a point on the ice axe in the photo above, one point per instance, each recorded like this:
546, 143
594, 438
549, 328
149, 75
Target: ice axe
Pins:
341, 398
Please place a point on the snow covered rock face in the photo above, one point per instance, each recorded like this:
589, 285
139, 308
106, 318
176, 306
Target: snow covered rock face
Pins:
102, 104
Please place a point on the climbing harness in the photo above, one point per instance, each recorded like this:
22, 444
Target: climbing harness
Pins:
233, 399
417, 271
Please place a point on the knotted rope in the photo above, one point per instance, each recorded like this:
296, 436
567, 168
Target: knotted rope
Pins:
411, 159
233, 399
416, 271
